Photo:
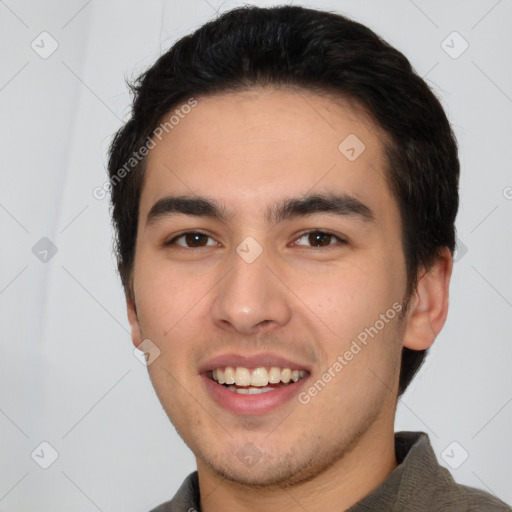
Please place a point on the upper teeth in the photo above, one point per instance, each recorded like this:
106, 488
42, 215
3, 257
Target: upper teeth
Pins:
256, 377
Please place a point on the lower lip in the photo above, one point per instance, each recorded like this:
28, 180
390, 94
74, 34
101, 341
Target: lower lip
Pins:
252, 405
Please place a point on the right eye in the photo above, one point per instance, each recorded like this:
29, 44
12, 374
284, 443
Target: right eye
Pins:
192, 240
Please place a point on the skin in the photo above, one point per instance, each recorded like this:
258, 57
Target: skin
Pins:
249, 150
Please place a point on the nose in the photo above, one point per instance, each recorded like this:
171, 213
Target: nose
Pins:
251, 297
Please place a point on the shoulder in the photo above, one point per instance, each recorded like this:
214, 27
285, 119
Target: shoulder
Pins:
461, 498
427, 485
172, 506
164, 507
186, 499
451, 496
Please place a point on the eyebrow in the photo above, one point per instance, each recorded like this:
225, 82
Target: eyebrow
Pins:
339, 204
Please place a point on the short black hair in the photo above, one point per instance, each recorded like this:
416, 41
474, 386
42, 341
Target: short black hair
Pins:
291, 46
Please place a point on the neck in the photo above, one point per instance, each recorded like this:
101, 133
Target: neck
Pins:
338, 487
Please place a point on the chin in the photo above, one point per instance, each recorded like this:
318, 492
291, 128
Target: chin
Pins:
266, 477
272, 470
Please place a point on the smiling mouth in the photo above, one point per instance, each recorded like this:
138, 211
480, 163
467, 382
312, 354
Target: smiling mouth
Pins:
255, 381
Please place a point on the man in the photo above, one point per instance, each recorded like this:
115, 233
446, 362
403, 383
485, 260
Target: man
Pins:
284, 199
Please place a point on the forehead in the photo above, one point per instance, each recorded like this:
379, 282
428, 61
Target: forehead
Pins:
250, 148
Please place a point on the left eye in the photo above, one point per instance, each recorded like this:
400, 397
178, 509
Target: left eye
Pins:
319, 239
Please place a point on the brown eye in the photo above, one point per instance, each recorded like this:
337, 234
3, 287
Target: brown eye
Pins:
319, 239
196, 239
192, 240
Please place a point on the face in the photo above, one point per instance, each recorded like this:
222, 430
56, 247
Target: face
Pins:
269, 273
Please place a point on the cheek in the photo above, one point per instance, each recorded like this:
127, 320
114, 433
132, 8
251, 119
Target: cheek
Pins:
349, 296
166, 296
358, 308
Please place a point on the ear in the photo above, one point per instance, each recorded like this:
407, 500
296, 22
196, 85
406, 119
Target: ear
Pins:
134, 321
428, 307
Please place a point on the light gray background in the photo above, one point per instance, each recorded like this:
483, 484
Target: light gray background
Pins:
68, 373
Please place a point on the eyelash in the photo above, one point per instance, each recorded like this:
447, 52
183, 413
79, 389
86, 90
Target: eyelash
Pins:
340, 240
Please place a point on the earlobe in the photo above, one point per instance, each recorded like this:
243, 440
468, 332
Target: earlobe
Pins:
429, 304
134, 321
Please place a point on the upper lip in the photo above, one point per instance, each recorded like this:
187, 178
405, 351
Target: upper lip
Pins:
264, 360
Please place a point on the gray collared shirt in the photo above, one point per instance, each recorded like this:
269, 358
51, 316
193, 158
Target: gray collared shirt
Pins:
418, 484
